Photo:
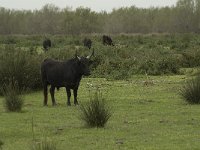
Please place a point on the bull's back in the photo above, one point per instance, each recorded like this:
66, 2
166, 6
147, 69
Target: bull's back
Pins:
49, 67
55, 72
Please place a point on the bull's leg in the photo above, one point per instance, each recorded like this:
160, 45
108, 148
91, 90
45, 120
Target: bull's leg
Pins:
45, 86
52, 91
68, 96
75, 96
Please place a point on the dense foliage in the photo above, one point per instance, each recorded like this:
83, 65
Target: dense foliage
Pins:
17, 65
153, 54
184, 17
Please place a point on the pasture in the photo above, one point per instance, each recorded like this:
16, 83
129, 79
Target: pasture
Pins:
148, 112
151, 116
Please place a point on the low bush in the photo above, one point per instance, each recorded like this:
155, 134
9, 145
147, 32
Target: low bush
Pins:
9, 40
191, 58
95, 113
160, 66
20, 66
151, 54
191, 91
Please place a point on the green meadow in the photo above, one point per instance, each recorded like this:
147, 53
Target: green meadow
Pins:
146, 114
140, 79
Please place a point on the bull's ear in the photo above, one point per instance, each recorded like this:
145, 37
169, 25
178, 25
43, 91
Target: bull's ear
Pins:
89, 56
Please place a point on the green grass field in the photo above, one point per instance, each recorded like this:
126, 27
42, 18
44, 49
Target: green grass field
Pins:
147, 114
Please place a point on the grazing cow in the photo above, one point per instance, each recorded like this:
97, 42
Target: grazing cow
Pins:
87, 43
46, 44
64, 74
107, 40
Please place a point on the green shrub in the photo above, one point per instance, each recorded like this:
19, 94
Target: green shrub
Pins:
168, 65
191, 91
1, 144
44, 144
140, 39
20, 66
13, 100
95, 113
160, 66
119, 75
60, 53
191, 58
9, 40
151, 54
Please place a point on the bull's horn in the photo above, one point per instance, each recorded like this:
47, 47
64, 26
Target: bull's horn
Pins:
79, 58
88, 57
76, 55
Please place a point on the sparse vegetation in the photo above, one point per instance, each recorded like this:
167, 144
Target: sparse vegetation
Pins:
44, 144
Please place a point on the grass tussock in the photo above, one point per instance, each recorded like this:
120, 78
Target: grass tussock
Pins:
13, 100
1, 144
191, 91
44, 144
96, 112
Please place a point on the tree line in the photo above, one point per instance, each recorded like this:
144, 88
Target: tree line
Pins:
184, 17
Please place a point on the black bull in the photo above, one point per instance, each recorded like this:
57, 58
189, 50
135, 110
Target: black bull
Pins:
46, 44
87, 43
66, 74
107, 40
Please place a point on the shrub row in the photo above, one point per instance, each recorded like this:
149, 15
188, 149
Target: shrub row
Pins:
153, 54
19, 66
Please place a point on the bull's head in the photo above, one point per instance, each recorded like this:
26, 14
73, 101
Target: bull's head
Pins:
84, 63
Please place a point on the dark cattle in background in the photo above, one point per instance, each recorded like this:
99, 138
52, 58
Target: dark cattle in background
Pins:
64, 74
107, 40
46, 44
87, 43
